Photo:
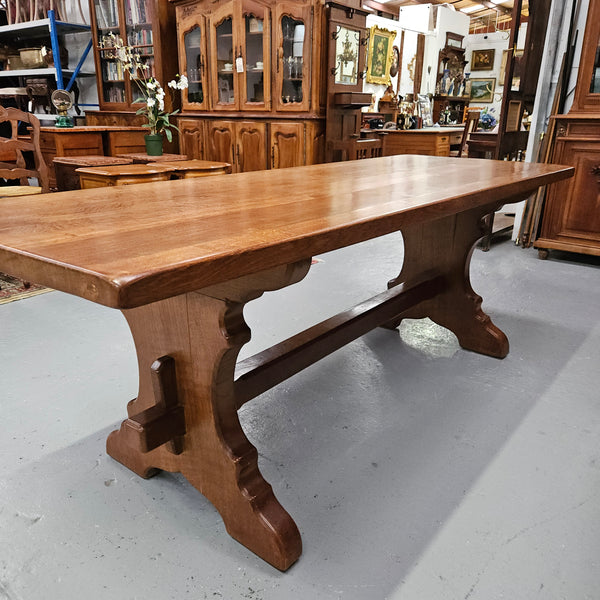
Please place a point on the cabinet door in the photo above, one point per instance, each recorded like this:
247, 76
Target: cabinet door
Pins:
254, 34
191, 137
287, 145
192, 59
292, 34
224, 52
251, 146
220, 138
575, 221
112, 89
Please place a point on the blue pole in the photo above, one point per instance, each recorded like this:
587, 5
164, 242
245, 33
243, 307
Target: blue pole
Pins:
55, 50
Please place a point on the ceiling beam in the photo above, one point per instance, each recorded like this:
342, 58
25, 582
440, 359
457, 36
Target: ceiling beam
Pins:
500, 9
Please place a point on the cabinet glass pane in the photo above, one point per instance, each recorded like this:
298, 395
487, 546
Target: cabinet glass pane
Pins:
192, 41
595, 86
225, 61
255, 81
113, 77
138, 27
107, 15
347, 46
293, 34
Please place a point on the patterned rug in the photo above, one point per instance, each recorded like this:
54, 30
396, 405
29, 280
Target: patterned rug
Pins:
12, 289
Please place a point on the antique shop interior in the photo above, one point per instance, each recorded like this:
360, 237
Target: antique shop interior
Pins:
415, 470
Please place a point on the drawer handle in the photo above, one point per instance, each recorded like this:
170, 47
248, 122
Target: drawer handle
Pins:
595, 171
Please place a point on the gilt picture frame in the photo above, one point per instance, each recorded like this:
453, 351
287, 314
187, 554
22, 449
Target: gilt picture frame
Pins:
482, 89
482, 60
380, 55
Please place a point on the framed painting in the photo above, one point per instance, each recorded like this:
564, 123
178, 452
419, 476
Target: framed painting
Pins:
395, 64
482, 60
482, 89
380, 55
518, 54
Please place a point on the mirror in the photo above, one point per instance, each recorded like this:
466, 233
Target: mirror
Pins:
347, 46
595, 85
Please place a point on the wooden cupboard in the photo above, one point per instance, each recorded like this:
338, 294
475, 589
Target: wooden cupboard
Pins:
256, 95
252, 145
571, 215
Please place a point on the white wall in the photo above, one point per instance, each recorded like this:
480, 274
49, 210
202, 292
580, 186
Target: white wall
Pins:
497, 41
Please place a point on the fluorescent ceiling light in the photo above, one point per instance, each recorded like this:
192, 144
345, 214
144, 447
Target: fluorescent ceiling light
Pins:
497, 1
471, 9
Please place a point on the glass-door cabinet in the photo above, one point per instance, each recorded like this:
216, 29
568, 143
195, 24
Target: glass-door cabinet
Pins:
292, 55
239, 57
145, 26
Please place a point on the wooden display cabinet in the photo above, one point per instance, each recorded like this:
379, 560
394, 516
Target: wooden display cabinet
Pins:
256, 95
571, 220
146, 25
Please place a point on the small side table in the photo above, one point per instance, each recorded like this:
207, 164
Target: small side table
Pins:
93, 177
186, 169
65, 168
140, 158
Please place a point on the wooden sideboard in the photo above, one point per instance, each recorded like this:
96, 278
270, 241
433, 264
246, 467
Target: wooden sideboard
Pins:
431, 141
89, 140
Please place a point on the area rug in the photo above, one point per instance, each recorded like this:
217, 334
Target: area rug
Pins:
12, 289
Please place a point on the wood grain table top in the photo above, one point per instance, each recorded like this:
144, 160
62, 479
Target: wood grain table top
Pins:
126, 169
132, 245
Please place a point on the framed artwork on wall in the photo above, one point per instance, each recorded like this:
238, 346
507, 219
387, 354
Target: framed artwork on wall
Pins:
482, 89
482, 60
380, 55
395, 64
518, 55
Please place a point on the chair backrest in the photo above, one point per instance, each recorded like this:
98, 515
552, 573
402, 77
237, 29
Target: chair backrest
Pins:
470, 126
21, 155
367, 148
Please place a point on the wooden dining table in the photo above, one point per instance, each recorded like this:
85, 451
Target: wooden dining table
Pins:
181, 259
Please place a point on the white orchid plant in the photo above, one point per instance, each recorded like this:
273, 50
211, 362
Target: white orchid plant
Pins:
153, 95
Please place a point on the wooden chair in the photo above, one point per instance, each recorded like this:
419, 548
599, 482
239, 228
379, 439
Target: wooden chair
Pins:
20, 155
470, 126
367, 148
13, 162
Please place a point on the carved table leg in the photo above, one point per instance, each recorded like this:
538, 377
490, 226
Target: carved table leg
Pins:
448, 244
203, 333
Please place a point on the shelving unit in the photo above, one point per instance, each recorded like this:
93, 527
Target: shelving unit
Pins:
23, 34
149, 27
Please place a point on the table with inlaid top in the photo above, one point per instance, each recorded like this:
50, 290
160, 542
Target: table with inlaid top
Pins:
180, 260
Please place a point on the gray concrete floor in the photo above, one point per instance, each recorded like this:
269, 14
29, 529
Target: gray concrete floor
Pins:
415, 470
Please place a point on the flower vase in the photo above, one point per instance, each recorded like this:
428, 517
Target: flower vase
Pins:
154, 144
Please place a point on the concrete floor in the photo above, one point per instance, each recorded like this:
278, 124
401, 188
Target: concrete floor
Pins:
415, 470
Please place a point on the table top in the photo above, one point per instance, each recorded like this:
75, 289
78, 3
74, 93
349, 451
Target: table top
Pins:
123, 170
426, 130
91, 129
91, 160
141, 157
131, 245
195, 164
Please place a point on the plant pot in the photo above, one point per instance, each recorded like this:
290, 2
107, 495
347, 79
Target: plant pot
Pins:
154, 144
